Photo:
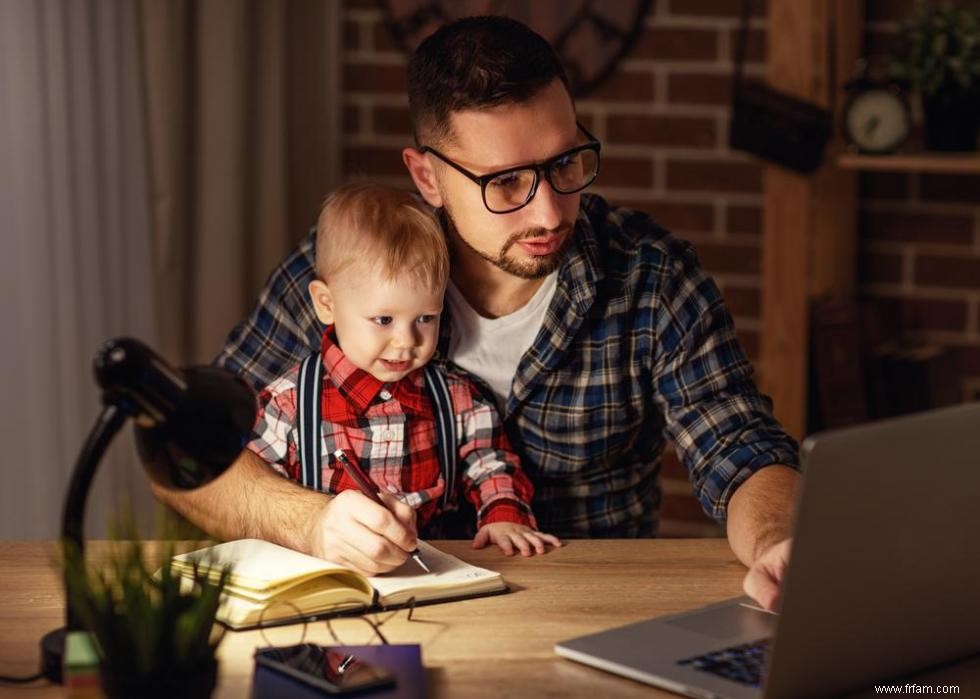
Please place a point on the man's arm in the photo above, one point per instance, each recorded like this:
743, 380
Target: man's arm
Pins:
740, 460
250, 500
759, 526
760, 512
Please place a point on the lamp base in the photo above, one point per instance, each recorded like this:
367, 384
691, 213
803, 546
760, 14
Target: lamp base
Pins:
53, 655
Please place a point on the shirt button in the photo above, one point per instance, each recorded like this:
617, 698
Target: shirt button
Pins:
385, 394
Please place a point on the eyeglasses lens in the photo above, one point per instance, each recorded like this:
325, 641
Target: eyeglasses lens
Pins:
568, 174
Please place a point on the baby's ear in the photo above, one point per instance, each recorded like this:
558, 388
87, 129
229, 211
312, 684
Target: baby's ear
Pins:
322, 301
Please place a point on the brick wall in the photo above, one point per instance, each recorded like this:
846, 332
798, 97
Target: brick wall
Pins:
662, 118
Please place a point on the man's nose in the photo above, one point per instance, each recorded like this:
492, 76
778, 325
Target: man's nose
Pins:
545, 207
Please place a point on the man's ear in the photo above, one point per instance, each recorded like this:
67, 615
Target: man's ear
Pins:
420, 168
322, 301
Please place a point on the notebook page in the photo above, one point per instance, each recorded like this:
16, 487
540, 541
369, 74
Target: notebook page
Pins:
448, 573
257, 564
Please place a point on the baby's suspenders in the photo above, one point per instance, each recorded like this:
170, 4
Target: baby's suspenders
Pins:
310, 425
308, 412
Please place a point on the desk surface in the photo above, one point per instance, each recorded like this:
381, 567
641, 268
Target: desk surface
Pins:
487, 647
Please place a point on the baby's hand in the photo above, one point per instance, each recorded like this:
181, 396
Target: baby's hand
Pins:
509, 536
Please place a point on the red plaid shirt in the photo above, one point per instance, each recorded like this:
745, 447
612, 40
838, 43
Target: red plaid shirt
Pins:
390, 429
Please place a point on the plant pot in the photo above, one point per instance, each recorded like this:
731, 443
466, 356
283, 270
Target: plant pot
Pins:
952, 120
186, 684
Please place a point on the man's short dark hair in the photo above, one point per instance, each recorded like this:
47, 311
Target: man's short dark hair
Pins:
476, 62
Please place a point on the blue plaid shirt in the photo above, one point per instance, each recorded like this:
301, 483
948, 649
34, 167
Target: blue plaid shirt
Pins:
636, 347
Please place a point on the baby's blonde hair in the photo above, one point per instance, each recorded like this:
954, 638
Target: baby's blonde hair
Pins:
371, 224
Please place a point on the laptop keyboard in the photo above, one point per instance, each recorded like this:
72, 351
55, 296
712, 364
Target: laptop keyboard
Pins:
744, 663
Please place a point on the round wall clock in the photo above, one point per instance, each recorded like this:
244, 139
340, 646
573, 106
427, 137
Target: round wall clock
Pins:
589, 36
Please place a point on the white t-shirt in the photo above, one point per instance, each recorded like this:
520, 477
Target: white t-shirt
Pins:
491, 348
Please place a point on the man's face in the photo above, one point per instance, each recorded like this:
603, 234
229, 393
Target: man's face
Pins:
388, 327
529, 242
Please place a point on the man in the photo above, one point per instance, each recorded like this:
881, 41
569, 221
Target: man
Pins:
596, 330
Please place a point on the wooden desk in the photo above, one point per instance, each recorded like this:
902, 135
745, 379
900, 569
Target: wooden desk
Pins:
490, 647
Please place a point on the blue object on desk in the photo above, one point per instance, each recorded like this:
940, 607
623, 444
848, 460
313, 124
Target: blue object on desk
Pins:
403, 660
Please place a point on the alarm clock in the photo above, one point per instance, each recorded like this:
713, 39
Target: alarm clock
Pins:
876, 117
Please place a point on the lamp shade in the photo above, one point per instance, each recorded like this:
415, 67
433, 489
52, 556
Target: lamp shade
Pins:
191, 423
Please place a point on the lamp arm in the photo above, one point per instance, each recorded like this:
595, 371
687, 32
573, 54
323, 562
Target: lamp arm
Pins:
107, 425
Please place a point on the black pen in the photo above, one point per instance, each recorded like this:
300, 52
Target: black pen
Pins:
369, 488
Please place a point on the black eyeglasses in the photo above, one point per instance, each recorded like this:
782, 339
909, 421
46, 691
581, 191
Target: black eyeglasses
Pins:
508, 190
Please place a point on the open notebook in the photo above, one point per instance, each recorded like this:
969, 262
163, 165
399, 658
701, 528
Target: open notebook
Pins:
289, 585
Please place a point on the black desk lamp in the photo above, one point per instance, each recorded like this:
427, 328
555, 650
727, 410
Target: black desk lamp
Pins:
191, 424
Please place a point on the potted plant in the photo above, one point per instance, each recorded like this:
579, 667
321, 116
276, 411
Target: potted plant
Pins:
154, 634
940, 57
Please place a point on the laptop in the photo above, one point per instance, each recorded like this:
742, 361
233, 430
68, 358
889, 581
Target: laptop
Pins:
882, 581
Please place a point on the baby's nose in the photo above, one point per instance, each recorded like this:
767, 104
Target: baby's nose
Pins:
404, 337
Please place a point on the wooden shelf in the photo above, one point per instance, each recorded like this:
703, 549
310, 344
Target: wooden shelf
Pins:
945, 163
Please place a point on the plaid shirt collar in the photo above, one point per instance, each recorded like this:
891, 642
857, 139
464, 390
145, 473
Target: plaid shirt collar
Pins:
360, 388
578, 277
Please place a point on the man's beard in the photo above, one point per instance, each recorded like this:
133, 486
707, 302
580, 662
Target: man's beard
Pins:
535, 267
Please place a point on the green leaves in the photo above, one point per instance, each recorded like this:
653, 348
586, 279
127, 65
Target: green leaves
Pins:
145, 624
941, 49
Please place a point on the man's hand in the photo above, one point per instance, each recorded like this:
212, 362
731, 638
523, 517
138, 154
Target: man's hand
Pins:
762, 582
356, 532
508, 536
